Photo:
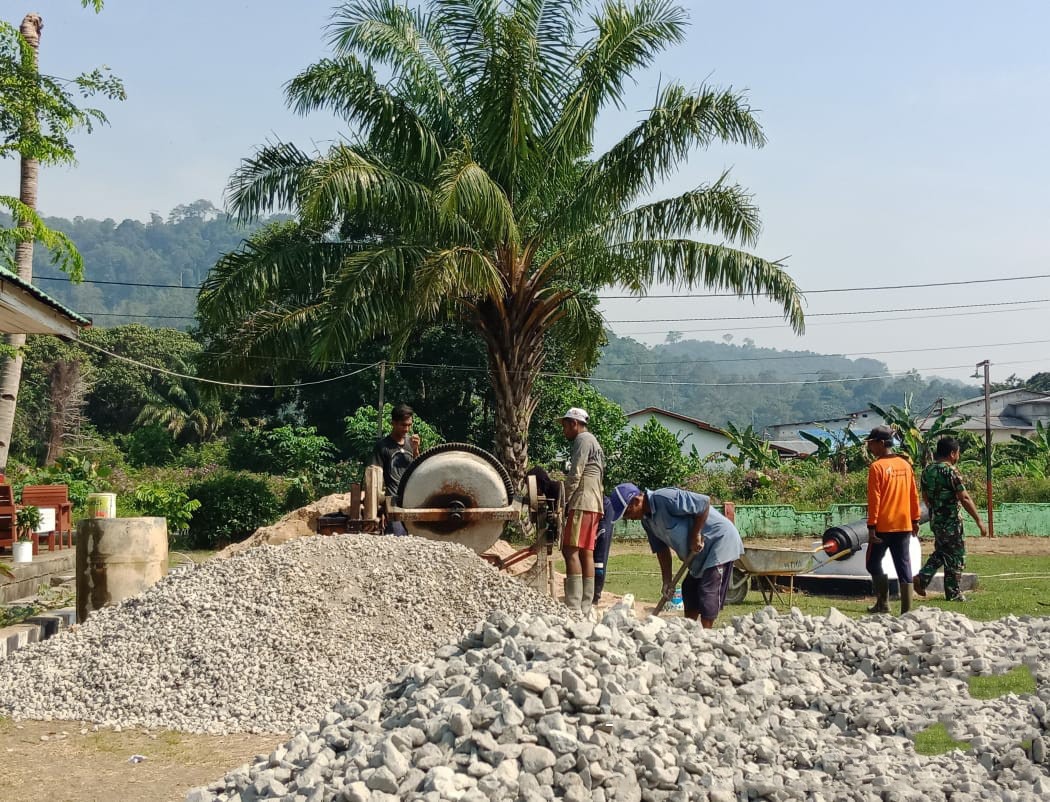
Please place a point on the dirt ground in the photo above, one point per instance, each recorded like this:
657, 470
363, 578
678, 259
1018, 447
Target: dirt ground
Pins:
76, 766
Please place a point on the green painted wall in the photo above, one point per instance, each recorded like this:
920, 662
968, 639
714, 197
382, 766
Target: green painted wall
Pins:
783, 520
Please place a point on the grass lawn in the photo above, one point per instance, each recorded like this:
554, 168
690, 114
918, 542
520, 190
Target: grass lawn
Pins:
1008, 585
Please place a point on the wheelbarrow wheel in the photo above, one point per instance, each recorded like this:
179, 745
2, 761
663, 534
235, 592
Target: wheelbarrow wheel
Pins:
739, 584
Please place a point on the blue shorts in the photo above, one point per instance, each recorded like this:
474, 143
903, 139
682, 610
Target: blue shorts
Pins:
707, 593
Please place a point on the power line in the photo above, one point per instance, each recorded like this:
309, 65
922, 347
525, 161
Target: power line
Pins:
629, 297
819, 356
165, 371
838, 322
847, 313
836, 289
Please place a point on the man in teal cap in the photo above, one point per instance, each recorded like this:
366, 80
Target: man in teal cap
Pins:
685, 522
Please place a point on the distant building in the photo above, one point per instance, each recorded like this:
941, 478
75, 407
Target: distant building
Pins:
690, 431
1012, 412
787, 435
25, 309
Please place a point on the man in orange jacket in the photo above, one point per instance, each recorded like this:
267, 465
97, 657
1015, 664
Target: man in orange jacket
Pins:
893, 518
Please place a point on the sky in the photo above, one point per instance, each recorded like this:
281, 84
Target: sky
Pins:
906, 145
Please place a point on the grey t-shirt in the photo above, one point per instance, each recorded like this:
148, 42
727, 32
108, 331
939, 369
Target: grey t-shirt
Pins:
583, 484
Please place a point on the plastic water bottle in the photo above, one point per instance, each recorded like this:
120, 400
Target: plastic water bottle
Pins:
676, 600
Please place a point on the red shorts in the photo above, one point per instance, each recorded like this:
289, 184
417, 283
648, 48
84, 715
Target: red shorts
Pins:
581, 530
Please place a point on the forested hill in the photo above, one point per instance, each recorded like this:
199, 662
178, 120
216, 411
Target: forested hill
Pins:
179, 250
668, 376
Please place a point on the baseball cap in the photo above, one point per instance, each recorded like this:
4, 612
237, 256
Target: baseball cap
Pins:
621, 496
575, 413
884, 434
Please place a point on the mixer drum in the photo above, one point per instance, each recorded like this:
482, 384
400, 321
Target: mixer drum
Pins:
454, 477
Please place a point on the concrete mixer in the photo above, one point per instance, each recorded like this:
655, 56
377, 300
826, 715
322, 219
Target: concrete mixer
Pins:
456, 493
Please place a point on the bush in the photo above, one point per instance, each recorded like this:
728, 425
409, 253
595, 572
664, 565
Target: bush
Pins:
232, 506
150, 445
212, 454
287, 450
651, 457
166, 500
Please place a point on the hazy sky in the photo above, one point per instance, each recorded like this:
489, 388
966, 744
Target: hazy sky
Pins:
907, 144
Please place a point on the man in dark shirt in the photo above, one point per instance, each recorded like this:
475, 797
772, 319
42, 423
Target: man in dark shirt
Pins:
394, 453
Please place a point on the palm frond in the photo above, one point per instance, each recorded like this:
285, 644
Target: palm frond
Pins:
653, 150
280, 260
409, 41
724, 209
686, 263
268, 181
464, 191
351, 89
627, 38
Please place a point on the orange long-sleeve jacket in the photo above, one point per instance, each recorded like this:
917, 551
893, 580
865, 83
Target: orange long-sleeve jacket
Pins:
893, 501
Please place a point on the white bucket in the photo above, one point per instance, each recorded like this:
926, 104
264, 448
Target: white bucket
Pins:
22, 551
101, 505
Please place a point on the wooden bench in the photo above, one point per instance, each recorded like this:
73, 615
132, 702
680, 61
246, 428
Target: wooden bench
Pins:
54, 497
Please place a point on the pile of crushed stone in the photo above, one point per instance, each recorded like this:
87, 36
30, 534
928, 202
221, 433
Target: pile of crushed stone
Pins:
778, 707
265, 641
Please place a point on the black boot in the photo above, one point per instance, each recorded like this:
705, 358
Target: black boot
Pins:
882, 594
906, 590
599, 585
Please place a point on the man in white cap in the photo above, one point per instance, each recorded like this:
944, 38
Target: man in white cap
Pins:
583, 504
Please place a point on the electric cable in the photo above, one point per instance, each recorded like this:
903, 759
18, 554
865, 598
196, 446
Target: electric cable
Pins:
165, 371
964, 282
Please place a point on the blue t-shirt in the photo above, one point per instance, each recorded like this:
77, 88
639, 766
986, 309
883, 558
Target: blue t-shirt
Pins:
670, 518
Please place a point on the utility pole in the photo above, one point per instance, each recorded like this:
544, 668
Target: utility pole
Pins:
988, 446
382, 379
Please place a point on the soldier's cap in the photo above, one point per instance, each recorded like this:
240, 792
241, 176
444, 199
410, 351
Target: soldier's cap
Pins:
882, 434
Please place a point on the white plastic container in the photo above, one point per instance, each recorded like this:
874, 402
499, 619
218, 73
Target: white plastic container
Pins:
22, 551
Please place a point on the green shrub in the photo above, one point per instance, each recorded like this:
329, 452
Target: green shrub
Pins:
166, 500
212, 454
287, 450
150, 445
232, 506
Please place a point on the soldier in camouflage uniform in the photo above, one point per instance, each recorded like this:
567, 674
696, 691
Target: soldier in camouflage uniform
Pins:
943, 491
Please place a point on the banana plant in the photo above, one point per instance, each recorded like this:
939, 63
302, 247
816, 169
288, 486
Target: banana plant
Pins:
918, 437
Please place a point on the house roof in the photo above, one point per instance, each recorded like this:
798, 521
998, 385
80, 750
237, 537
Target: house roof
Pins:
843, 416
699, 424
792, 447
996, 422
25, 309
1038, 396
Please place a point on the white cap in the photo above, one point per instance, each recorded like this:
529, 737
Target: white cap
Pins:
575, 413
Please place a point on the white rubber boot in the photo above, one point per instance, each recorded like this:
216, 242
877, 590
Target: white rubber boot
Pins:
574, 592
588, 595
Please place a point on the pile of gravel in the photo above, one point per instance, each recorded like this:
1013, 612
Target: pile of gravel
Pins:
772, 707
265, 641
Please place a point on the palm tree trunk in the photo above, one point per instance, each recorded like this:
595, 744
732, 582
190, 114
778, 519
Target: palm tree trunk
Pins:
515, 356
11, 373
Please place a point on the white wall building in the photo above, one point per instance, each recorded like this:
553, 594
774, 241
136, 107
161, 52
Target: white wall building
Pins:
690, 431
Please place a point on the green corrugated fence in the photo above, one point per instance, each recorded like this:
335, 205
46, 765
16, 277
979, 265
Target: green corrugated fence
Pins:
783, 520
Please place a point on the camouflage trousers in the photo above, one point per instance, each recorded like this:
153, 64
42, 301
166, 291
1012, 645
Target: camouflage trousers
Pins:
949, 552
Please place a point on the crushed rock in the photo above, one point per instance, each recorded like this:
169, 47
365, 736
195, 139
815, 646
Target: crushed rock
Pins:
265, 641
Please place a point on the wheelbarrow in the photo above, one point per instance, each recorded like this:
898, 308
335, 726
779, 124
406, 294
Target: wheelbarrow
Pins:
762, 566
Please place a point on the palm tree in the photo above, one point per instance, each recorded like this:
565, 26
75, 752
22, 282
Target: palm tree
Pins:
187, 410
468, 189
